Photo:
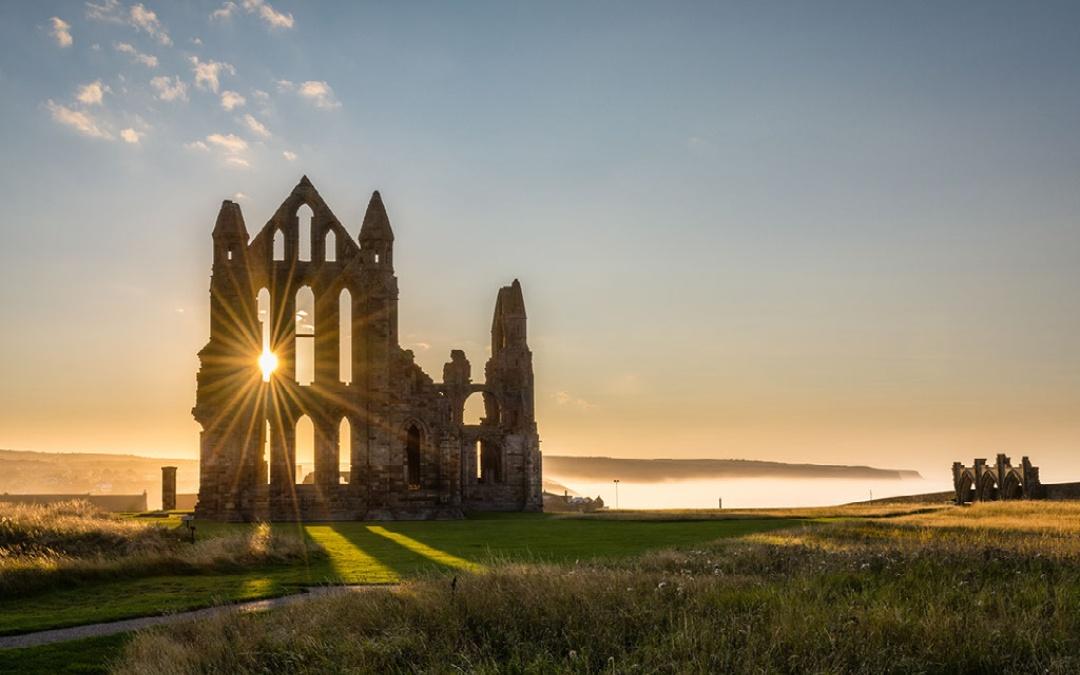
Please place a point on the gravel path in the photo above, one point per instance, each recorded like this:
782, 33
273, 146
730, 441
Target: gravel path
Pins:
46, 637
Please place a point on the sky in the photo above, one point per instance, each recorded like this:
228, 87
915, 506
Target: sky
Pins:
831, 232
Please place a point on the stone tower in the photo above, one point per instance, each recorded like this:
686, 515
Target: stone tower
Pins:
388, 441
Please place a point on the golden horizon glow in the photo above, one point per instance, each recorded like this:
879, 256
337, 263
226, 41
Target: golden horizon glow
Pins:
268, 363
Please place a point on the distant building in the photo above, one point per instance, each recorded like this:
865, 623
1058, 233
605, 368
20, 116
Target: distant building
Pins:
1001, 480
564, 502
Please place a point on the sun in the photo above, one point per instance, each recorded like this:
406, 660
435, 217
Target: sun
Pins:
268, 363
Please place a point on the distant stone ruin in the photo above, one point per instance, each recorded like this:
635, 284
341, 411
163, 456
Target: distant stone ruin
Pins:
304, 340
998, 481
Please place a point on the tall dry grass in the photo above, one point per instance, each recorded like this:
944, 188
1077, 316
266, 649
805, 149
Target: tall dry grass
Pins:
41, 545
912, 594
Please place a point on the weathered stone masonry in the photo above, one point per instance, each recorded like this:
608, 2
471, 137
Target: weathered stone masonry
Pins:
410, 453
984, 482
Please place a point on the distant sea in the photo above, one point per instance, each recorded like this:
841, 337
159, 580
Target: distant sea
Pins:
742, 493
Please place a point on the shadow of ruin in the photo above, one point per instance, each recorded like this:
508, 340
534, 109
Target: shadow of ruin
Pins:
304, 339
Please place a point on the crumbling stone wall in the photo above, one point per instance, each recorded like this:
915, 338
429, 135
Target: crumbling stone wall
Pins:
411, 455
1000, 480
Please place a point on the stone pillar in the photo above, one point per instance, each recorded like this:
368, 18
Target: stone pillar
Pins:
168, 488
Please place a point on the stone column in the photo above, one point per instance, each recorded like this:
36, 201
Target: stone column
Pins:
168, 488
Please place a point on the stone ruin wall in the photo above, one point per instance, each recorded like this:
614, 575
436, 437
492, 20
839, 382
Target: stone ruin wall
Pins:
410, 453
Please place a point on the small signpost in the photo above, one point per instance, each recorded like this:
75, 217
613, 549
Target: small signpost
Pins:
188, 522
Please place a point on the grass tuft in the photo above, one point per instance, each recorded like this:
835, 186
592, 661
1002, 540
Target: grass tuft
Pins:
45, 546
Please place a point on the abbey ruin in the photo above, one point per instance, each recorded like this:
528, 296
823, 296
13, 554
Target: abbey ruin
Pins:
984, 482
304, 340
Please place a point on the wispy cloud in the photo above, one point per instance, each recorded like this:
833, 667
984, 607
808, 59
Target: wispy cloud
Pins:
91, 94
138, 17
270, 16
169, 89
229, 143
146, 20
61, 32
131, 136
317, 92
77, 120
255, 126
231, 100
109, 11
224, 12
147, 60
288, 155
231, 148
208, 73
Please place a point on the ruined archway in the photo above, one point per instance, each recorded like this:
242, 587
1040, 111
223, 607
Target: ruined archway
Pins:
474, 410
965, 493
988, 487
1012, 487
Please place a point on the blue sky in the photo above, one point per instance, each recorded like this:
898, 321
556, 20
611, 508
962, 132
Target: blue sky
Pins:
829, 231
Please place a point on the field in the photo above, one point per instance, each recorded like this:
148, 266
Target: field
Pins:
880, 588
70, 565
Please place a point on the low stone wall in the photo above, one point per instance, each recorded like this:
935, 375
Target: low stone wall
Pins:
1053, 491
1062, 490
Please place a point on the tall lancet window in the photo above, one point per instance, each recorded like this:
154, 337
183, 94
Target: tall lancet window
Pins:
330, 247
305, 219
305, 336
345, 336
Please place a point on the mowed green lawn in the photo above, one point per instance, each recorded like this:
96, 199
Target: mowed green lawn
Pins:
369, 553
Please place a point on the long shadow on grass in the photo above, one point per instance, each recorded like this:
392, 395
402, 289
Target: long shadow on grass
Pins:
387, 552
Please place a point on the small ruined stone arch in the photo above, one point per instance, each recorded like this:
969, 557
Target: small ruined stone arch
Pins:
965, 491
1012, 486
474, 408
988, 487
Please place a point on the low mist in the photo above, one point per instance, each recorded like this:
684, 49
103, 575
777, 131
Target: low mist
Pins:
739, 493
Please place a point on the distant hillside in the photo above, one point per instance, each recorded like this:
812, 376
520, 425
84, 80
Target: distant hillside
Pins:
25, 472
658, 470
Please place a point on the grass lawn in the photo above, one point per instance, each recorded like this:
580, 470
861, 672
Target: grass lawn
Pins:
369, 553
91, 655
990, 588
